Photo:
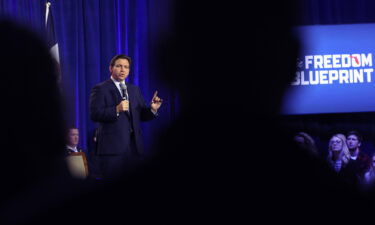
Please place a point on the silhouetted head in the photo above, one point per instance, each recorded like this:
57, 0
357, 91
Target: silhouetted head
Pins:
230, 55
305, 141
32, 123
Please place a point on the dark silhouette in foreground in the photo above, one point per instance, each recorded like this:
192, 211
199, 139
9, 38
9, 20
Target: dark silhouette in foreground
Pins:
35, 179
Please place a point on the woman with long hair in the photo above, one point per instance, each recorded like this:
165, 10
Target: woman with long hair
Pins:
338, 152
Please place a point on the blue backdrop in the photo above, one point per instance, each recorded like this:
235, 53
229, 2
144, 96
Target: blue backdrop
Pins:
89, 33
334, 87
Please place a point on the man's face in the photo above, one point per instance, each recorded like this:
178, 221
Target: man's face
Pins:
73, 137
120, 70
352, 141
336, 144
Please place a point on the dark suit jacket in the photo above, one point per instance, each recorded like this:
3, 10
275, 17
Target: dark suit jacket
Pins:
354, 171
114, 132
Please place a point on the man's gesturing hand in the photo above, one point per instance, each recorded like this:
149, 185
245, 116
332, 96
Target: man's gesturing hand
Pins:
156, 102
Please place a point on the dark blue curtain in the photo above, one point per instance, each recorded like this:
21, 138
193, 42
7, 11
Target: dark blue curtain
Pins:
89, 33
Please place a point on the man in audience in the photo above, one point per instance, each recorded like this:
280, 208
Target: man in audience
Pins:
354, 141
359, 161
72, 140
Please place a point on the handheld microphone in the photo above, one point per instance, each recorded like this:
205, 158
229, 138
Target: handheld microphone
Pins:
123, 90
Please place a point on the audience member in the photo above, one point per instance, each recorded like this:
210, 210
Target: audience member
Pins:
72, 141
359, 161
306, 142
354, 141
336, 153
369, 177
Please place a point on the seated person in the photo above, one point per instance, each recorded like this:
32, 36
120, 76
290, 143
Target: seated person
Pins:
72, 141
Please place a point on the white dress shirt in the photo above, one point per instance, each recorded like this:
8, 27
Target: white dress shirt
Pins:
117, 83
74, 149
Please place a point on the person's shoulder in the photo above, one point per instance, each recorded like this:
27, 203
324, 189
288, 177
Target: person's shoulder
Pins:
104, 84
133, 87
363, 157
130, 85
68, 151
363, 154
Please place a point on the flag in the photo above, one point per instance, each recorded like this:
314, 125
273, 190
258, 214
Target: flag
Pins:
52, 40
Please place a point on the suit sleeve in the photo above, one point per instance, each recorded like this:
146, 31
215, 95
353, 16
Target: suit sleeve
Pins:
146, 113
99, 111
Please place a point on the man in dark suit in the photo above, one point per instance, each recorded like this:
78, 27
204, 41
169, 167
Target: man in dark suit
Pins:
119, 108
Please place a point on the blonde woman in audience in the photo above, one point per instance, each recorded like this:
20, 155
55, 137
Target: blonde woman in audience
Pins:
337, 149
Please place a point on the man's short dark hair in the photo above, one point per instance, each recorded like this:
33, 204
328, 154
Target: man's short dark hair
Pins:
70, 128
356, 133
121, 56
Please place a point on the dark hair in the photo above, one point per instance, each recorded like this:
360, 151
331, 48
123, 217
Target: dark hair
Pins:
70, 128
356, 133
121, 56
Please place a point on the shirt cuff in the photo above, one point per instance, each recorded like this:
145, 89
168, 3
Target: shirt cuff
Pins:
155, 113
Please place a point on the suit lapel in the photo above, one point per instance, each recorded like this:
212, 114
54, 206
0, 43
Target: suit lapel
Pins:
131, 93
114, 90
